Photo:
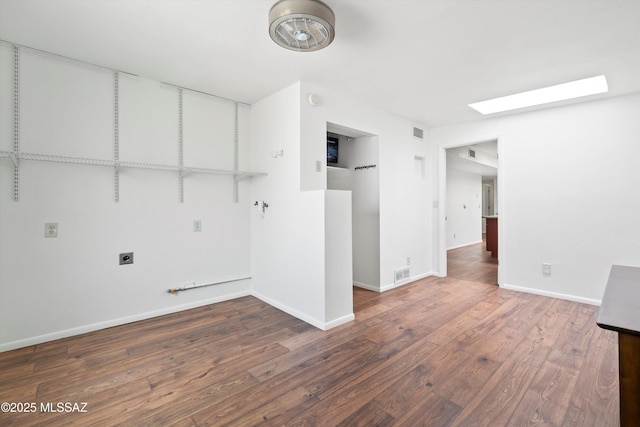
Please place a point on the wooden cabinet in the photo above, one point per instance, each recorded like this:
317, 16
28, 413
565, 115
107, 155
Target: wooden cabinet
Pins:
619, 312
492, 235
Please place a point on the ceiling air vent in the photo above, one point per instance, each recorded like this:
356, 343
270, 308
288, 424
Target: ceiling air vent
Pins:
472, 153
418, 133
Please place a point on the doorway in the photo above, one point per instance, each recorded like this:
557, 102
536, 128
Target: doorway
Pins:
488, 196
469, 192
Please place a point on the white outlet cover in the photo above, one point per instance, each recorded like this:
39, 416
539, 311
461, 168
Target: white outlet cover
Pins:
197, 225
51, 229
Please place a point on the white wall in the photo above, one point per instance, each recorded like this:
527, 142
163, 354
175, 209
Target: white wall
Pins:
288, 244
293, 266
56, 287
365, 189
366, 213
51, 288
464, 209
405, 199
568, 194
568, 185
338, 258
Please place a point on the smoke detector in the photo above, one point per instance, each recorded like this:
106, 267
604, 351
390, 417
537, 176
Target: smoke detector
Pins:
302, 25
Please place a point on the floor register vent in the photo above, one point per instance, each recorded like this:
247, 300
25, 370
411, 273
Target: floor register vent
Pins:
402, 274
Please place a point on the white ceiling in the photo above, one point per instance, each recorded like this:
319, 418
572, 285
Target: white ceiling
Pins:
423, 60
457, 159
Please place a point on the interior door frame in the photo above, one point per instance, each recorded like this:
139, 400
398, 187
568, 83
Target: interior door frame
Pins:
501, 208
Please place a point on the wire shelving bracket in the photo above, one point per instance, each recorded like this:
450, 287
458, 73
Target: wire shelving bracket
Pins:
16, 123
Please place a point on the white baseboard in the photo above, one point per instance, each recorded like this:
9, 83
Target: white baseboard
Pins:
339, 321
466, 244
116, 322
366, 286
174, 309
388, 287
567, 297
409, 280
289, 310
305, 318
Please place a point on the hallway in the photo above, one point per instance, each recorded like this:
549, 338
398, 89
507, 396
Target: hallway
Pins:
472, 263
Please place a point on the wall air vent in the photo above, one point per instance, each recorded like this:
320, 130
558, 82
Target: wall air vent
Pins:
418, 133
402, 274
472, 153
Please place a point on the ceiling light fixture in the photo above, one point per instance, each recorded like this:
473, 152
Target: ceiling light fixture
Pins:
570, 90
301, 25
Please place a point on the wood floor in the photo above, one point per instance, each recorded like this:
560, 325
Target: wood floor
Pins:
473, 263
441, 351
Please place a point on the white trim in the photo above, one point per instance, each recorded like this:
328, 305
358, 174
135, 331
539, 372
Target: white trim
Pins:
151, 314
502, 213
442, 211
409, 280
464, 245
392, 285
115, 322
305, 318
567, 297
366, 286
12, 345
339, 321
442, 198
292, 311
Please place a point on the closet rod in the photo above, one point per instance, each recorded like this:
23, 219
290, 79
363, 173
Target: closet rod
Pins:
364, 167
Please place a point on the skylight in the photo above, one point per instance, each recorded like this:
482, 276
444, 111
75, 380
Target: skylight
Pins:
570, 90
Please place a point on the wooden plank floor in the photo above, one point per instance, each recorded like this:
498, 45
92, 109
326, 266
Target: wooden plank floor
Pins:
473, 263
441, 351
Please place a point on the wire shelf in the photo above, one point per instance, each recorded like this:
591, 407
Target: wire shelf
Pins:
17, 155
14, 156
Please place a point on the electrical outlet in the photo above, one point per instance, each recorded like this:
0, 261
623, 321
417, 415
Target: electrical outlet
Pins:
197, 225
126, 258
408, 260
546, 269
51, 229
